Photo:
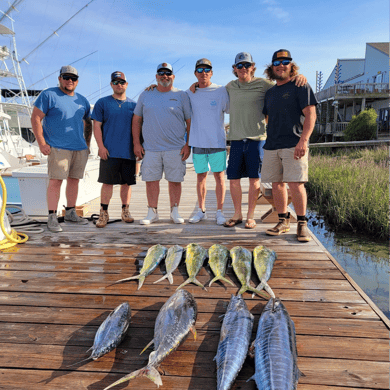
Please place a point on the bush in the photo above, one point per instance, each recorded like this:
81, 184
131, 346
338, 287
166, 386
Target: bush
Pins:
362, 126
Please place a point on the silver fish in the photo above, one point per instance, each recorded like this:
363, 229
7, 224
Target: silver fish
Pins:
152, 259
111, 332
172, 261
195, 256
173, 324
264, 260
275, 349
218, 257
234, 342
242, 266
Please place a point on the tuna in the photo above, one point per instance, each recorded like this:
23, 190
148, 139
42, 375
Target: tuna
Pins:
154, 255
275, 349
264, 260
242, 266
195, 256
233, 342
218, 257
111, 332
172, 261
174, 322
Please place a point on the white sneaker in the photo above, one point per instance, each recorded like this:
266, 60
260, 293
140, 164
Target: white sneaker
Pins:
220, 217
198, 216
175, 217
151, 217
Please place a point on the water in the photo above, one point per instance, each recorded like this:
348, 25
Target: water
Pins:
365, 260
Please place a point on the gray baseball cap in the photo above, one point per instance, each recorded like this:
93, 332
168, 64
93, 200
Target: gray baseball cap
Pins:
67, 69
203, 61
165, 65
243, 57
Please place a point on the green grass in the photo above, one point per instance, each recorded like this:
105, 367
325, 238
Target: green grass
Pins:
350, 188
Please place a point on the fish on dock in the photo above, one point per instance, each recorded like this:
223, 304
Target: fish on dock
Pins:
111, 332
195, 257
242, 266
264, 259
275, 349
218, 258
154, 255
233, 342
174, 322
172, 261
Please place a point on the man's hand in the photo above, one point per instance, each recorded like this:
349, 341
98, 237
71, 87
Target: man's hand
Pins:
300, 80
151, 87
103, 153
45, 149
193, 87
300, 149
185, 152
139, 151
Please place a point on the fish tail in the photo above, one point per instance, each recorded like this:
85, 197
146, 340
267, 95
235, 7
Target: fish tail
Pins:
170, 278
148, 371
243, 289
189, 280
259, 287
196, 281
269, 290
126, 279
261, 293
221, 278
140, 281
164, 277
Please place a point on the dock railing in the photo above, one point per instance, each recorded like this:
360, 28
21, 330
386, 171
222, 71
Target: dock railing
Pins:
352, 90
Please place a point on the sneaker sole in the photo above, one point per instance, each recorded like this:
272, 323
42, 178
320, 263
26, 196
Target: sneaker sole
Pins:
55, 231
177, 222
194, 221
276, 233
304, 239
147, 222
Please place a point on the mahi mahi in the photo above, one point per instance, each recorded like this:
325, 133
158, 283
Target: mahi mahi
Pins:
153, 257
111, 332
275, 349
264, 260
173, 324
242, 266
218, 257
172, 261
195, 256
233, 342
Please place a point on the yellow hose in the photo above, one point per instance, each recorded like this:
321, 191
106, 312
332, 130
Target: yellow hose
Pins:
14, 238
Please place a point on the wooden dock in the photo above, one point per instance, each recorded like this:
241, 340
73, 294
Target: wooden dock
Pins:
54, 294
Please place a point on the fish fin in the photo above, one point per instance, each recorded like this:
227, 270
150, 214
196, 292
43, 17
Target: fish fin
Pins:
252, 378
242, 290
262, 294
213, 280
251, 350
125, 280
164, 277
170, 278
81, 361
189, 280
141, 281
300, 373
149, 372
269, 290
196, 281
193, 330
259, 287
221, 278
147, 347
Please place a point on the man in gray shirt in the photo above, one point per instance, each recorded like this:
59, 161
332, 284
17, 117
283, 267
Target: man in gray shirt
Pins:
163, 117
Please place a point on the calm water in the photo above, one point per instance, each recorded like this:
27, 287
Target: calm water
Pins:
367, 262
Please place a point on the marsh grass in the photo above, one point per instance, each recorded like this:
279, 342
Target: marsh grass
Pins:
350, 188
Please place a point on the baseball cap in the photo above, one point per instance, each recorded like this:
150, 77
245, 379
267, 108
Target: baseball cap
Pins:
243, 57
118, 75
67, 69
164, 65
282, 53
203, 61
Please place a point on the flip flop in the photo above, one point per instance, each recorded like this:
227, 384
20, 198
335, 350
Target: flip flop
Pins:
250, 224
232, 222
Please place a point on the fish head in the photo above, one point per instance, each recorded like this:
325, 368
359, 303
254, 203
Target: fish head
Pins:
237, 302
273, 305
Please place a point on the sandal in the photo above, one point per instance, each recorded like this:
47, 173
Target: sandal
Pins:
232, 222
250, 224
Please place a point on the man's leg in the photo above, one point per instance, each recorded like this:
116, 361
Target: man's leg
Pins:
220, 189
299, 197
280, 195
253, 194
201, 189
174, 189
53, 193
72, 189
152, 193
106, 193
236, 193
125, 194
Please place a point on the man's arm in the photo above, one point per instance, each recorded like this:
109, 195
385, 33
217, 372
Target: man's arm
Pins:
36, 122
308, 127
300, 80
98, 134
186, 150
136, 129
88, 131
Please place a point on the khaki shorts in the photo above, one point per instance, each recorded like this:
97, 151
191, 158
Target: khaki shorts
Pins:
170, 162
62, 163
280, 166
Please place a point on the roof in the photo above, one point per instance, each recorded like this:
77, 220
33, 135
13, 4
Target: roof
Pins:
381, 46
5, 30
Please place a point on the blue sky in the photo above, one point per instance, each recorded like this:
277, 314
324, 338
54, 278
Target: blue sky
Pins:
135, 36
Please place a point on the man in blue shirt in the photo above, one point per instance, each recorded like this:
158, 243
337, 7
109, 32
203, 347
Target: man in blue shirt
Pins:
112, 117
62, 126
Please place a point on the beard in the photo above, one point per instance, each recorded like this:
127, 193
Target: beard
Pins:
283, 76
165, 83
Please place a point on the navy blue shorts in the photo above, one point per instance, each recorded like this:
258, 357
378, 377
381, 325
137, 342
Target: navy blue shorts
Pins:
245, 159
117, 171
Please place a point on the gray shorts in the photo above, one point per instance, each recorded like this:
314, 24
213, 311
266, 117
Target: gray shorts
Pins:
280, 166
62, 163
170, 162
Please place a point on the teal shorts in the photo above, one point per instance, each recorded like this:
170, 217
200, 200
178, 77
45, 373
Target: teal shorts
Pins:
216, 161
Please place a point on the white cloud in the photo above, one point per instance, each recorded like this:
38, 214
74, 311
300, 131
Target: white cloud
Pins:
274, 9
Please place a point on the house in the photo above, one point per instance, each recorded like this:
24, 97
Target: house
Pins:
353, 85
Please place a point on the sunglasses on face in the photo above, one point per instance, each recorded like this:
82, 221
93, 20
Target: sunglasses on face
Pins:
283, 62
201, 70
120, 82
245, 65
73, 78
164, 72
